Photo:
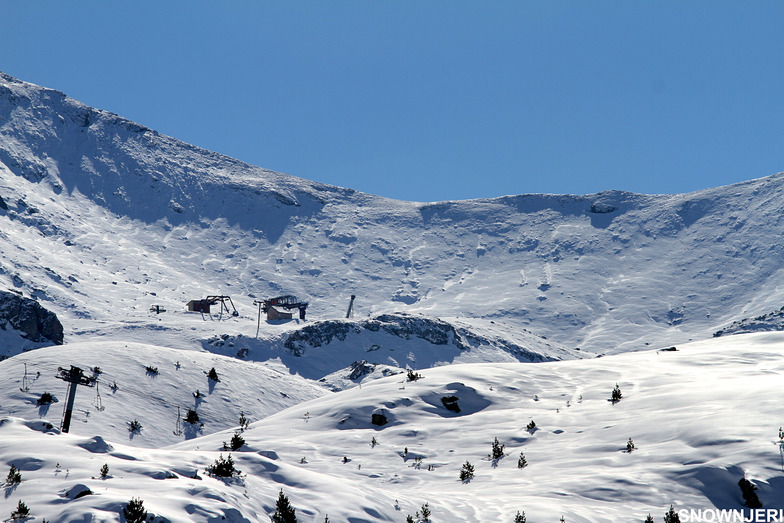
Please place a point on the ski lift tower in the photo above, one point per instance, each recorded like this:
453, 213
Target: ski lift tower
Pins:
74, 376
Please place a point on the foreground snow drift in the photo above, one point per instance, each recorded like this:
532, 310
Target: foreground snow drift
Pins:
701, 418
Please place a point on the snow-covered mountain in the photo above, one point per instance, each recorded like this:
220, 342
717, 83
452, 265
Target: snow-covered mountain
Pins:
102, 218
106, 217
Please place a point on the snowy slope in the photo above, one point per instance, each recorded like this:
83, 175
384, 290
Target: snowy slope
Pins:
127, 391
106, 217
700, 417
102, 218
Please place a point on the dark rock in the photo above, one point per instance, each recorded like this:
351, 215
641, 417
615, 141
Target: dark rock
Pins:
33, 321
360, 368
602, 208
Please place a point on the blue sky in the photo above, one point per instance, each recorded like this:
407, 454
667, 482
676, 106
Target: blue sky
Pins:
433, 100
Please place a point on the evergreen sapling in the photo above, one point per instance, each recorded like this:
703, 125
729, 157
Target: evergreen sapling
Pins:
21, 512
14, 476
284, 512
134, 511
671, 516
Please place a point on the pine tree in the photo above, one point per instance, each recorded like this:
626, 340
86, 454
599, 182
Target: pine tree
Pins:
425, 513
105, 470
649, 519
467, 472
22, 511
531, 426
671, 516
284, 512
213, 375
134, 426
520, 517
616, 395
237, 441
14, 476
498, 450
223, 468
192, 417
134, 511
521, 461
629, 446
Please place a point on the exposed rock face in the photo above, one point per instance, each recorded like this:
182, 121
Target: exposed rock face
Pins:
33, 321
433, 330
772, 321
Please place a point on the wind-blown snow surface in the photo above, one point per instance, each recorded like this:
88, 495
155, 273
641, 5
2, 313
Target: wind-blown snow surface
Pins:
701, 418
102, 218
106, 217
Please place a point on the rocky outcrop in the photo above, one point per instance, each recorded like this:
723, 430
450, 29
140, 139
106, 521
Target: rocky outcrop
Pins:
772, 321
433, 330
28, 317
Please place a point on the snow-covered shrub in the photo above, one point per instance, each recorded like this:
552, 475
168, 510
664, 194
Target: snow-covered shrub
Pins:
531, 426
747, 489
520, 517
629, 446
152, 370
134, 511
467, 472
497, 451
14, 476
284, 512
616, 394
413, 376
191, 417
223, 467
45, 399
378, 419
134, 427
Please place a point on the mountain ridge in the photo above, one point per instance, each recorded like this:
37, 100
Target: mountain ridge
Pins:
611, 271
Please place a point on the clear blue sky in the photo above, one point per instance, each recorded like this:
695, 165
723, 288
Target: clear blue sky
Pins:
433, 100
